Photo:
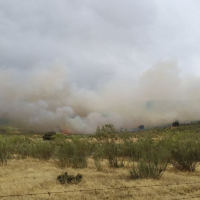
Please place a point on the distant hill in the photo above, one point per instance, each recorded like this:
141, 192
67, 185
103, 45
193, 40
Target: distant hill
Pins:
170, 104
4, 121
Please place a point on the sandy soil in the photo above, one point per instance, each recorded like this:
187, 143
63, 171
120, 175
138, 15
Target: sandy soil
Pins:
31, 176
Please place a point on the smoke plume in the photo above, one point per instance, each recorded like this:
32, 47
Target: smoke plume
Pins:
45, 99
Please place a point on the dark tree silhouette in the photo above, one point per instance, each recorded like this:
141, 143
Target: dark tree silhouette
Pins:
175, 123
47, 136
141, 127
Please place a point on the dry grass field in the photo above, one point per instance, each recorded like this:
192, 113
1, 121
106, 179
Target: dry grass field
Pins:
32, 176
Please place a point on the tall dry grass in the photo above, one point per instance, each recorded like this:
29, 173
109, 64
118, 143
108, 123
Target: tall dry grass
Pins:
105, 163
35, 176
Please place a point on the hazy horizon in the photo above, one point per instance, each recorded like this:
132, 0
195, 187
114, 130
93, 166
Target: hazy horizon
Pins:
77, 65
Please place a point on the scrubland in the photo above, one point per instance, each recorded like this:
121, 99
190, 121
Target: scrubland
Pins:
152, 164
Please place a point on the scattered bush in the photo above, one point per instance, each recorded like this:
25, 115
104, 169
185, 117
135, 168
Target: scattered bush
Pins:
149, 157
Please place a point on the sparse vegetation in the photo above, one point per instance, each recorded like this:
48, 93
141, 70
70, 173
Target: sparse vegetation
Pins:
144, 154
150, 150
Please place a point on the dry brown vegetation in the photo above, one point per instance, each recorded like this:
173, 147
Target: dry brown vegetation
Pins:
32, 176
38, 177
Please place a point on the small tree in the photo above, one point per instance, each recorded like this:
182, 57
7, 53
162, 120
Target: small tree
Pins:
141, 127
176, 123
47, 136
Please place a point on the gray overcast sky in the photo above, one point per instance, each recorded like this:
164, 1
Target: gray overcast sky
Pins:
96, 39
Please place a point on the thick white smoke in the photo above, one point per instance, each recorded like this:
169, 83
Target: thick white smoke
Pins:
46, 99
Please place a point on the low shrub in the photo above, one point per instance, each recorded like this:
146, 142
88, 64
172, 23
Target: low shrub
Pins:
176, 123
106, 129
152, 159
48, 136
147, 170
65, 178
111, 151
105, 133
42, 150
73, 154
185, 155
21, 146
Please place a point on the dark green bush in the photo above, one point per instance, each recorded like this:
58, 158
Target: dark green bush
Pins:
48, 136
65, 178
176, 123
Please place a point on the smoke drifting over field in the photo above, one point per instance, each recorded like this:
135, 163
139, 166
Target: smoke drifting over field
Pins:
46, 99
74, 65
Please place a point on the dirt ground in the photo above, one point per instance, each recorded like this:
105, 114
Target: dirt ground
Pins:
32, 176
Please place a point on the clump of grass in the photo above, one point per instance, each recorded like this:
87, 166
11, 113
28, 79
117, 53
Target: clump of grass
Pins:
65, 178
5, 151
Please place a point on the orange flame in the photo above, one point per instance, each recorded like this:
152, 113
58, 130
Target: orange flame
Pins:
65, 132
